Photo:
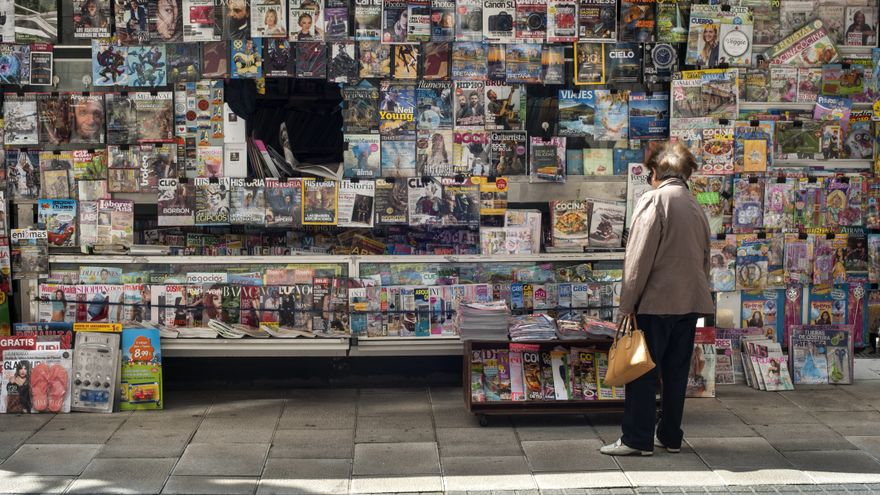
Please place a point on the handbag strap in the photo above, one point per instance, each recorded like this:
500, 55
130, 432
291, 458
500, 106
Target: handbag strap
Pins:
622, 327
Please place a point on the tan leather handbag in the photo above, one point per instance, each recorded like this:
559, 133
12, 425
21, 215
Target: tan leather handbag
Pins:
628, 357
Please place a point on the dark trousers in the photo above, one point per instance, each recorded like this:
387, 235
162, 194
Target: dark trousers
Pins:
671, 342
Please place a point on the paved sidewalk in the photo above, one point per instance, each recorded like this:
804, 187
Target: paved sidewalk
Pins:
817, 440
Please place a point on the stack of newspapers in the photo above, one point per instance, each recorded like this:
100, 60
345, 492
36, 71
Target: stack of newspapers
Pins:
483, 321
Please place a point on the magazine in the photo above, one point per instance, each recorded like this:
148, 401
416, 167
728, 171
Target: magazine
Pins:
701, 378
21, 392
435, 56
808, 46
356, 203
391, 202
397, 109
547, 159
571, 224
434, 104
461, 202
648, 115
425, 201
434, 153
29, 253
505, 106
576, 112
319, 202
58, 218
637, 21
115, 223
470, 152
597, 20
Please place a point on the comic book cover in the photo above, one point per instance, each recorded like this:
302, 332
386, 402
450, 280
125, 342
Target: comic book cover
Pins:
58, 218
779, 204
623, 63
146, 66
808, 84
397, 109
648, 115
319, 202
597, 20
469, 20
342, 67
606, 224
108, 63
434, 153
91, 19
470, 150
311, 60
202, 20
425, 201
21, 122
398, 157
23, 174
356, 203
184, 62
469, 106
115, 220
215, 59
498, 21
279, 60
406, 61
783, 83
469, 60
748, 194
435, 60
522, 63
612, 115
246, 61
175, 202
570, 224
505, 106
375, 59
391, 202
507, 153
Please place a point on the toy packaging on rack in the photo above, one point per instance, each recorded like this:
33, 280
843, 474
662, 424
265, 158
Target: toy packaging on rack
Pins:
141, 377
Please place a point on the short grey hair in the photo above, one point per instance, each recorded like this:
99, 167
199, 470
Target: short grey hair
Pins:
671, 159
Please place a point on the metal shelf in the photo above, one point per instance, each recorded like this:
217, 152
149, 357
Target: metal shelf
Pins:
254, 347
407, 346
614, 255
842, 49
788, 105
856, 164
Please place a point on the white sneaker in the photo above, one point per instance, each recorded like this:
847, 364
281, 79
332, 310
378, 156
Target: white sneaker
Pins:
618, 448
659, 444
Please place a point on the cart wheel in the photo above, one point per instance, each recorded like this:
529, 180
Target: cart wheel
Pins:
484, 421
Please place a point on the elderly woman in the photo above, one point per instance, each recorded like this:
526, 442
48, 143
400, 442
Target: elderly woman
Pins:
666, 286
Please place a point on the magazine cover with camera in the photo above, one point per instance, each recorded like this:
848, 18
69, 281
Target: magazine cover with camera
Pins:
498, 21
342, 67
461, 201
361, 114
356, 203
469, 20
470, 152
505, 106
175, 202
406, 61
311, 60
361, 155
523, 63
442, 20
212, 201
367, 20
58, 218
562, 21
391, 202
434, 153
469, 60
435, 61
278, 58
397, 109
469, 107
531, 21
597, 21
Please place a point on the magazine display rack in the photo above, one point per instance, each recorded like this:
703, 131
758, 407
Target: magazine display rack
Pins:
508, 407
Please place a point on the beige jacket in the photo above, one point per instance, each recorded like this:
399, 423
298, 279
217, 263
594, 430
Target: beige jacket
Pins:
666, 271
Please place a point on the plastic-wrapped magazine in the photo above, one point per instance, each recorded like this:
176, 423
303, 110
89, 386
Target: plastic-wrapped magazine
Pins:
606, 224
808, 46
248, 202
311, 60
100, 303
623, 63
20, 71
469, 104
808, 355
283, 202
21, 122
717, 150
397, 109
375, 59
175, 203
461, 202
58, 217
752, 146
361, 114
779, 203
637, 21
55, 118
398, 156
90, 165
57, 303
597, 20
470, 152
751, 265
722, 268
808, 84
469, 20
279, 58
858, 143
434, 153
425, 201
36, 381
547, 159
391, 202
571, 224
115, 223
212, 201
